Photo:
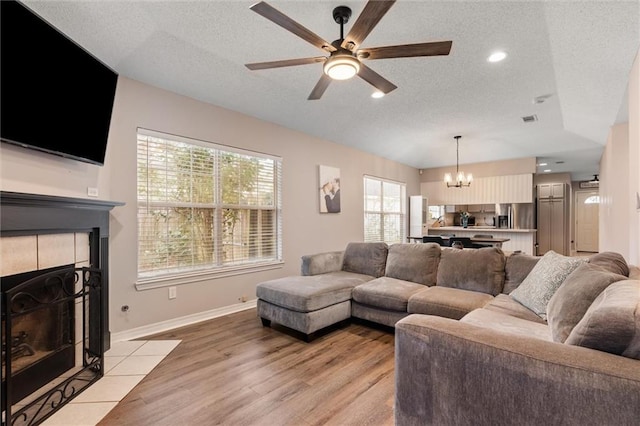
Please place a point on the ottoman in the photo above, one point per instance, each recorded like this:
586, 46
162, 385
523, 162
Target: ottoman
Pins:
307, 303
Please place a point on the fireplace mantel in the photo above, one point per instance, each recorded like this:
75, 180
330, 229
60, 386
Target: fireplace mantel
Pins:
32, 214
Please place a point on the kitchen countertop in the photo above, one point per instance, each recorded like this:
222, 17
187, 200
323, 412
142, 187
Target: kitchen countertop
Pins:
481, 228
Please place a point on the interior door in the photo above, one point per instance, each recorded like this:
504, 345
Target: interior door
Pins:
587, 216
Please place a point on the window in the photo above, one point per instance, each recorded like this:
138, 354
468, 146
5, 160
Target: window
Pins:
384, 210
204, 207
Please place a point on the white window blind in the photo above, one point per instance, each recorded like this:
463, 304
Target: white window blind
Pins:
203, 206
384, 210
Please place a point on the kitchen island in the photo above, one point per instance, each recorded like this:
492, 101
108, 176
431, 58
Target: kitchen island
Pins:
519, 239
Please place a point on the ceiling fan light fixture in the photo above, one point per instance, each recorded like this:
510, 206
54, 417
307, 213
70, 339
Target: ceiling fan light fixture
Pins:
341, 67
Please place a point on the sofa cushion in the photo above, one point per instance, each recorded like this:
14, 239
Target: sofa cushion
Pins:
611, 261
387, 293
505, 304
634, 272
321, 263
516, 269
504, 323
543, 281
365, 258
447, 302
578, 291
612, 322
417, 263
479, 270
306, 294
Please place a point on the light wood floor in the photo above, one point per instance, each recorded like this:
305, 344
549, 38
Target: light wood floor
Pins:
233, 371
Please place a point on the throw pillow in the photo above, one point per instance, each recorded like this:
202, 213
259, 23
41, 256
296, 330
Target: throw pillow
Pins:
578, 291
544, 279
612, 322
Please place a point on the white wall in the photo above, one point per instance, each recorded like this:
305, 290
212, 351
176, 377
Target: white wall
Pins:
614, 189
305, 229
620, 180
634, 162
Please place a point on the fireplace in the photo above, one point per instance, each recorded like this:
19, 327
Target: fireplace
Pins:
54, 287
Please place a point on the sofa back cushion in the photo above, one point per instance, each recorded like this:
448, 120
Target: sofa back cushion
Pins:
612, 322
365, 258
544, 280
474, 269
516, 270
578, 291
417, 263
611, 261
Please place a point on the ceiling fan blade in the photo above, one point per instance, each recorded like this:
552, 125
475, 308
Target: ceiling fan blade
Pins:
437, 48
366, 22
284, 63
375, 79
321, 86
279, 18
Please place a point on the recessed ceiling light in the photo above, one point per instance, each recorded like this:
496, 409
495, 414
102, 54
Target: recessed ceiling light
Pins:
496, 56
377, 94
542, 164
547, 170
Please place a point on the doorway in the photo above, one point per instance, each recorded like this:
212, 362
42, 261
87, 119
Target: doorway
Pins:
587, 216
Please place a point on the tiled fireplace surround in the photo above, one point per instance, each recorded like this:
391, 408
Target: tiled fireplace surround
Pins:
39, 232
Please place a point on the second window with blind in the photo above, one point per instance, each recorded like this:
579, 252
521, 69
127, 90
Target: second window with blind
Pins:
384, 210
205, 207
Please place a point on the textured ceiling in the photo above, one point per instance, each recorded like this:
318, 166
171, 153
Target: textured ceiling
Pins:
579, 53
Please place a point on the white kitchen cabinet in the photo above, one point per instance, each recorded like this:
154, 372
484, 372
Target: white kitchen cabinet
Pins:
551, 190
485, 190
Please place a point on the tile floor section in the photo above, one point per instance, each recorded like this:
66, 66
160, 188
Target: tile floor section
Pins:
125, 365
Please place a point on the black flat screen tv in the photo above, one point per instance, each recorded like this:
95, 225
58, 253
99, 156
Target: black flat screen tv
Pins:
55, 96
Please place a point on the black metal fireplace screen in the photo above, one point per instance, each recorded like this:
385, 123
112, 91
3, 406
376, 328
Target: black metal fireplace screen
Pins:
40, 315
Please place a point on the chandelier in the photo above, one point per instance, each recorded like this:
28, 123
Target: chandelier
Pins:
461, 178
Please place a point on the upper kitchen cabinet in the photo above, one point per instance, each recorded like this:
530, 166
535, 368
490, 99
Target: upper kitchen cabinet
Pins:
485, 190
551, 190
482, 208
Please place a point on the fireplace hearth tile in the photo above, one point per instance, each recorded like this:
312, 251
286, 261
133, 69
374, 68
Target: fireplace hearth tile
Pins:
74, 414
109, 388
112, 361
81, 412
133, 365
124, 348
157, 347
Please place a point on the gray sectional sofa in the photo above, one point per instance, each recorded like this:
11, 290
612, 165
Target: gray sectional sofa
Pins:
384, 284
483, 338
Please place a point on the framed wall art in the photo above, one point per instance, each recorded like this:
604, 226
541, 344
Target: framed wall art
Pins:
329, 193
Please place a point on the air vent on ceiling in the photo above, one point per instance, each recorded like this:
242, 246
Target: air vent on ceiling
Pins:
530, 118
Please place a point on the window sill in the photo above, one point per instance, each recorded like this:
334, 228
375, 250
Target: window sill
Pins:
192, 277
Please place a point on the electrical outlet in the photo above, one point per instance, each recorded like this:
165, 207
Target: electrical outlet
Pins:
173, 292
92, 192
242, 298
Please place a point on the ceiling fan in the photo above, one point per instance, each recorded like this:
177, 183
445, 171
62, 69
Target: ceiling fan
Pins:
345, 55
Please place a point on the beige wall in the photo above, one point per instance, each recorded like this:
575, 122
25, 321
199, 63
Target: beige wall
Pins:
491, 168
620, 180
634, 162
305, 230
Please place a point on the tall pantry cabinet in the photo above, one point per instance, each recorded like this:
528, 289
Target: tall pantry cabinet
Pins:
552, 217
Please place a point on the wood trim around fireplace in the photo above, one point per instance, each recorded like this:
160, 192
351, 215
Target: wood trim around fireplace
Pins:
35, 214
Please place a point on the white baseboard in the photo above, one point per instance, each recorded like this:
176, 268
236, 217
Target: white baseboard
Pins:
146, 330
